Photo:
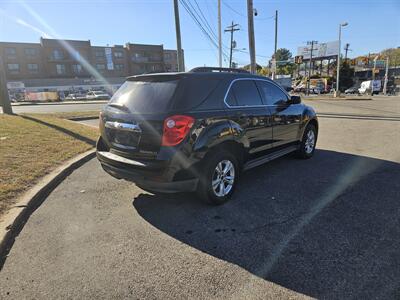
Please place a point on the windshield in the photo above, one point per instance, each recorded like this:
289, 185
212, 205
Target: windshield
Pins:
145, 97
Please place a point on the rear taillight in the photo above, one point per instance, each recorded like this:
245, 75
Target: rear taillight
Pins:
176, 129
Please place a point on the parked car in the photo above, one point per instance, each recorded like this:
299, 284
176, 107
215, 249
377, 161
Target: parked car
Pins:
97, 95
352, 90
75, 97
197, 131
316, 90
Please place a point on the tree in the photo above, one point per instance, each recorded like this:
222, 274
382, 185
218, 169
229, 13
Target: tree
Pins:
346, 76
393, 54
265, 71
247, 68
287, 69
283, 54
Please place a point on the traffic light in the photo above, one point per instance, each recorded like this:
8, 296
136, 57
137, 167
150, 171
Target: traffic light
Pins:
298, 59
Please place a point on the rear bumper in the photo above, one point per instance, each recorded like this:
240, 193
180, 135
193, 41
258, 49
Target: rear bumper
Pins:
152, 177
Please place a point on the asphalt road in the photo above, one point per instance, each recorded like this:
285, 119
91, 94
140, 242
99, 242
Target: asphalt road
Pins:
379, 105
327, 227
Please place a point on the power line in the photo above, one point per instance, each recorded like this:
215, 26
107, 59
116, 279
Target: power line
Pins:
247, 52
234, 10
210, 14
244, 16
202, 17
206, 33
197, 23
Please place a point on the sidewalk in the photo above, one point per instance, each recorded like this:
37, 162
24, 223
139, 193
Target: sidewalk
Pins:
60, 103
330, 97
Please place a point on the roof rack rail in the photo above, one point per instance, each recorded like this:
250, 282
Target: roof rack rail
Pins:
216, 69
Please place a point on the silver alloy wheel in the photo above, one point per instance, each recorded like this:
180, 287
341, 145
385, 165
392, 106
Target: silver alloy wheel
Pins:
223, 178
310, 142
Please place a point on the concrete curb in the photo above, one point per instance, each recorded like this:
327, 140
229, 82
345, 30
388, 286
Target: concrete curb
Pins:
13, 222
337, 99
83, 118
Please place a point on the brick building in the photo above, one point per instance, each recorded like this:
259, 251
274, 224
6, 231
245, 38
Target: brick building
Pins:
61, 65
171, 60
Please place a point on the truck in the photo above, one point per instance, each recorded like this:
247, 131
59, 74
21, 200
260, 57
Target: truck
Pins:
370, 86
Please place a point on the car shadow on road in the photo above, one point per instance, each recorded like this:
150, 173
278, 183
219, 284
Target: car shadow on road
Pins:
328, 227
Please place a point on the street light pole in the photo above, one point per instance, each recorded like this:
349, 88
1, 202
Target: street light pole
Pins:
338, 59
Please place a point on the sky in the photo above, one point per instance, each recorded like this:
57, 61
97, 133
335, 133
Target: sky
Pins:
373, 25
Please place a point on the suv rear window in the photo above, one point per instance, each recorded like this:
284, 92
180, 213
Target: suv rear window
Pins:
145, 96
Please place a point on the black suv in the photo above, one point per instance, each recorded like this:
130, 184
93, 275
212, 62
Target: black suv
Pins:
196, 131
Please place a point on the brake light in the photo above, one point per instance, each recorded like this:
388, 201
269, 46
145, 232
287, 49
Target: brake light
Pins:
176, 129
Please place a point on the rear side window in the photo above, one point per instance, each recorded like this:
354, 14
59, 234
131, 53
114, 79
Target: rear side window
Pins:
193, 91
272, 94
144, 96
243, 93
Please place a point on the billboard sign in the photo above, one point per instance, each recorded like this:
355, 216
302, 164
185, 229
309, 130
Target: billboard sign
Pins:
321, 50
110, 64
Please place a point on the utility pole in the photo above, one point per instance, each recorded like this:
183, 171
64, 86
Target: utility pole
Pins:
386, 76
338, 59
310, 66
346, 49
181, 67
4, 97
311, 52
276, 42
231, 29
252, 46
219, 35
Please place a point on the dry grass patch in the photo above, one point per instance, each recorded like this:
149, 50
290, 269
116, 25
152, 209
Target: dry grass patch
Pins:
33, 145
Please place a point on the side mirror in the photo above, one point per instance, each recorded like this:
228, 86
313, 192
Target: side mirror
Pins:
295, 100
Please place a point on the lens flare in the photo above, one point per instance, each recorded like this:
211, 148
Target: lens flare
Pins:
51, 33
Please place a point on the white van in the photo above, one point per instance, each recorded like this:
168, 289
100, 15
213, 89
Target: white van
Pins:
366, 86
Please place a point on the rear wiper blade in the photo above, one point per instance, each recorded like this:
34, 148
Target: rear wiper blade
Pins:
119, 106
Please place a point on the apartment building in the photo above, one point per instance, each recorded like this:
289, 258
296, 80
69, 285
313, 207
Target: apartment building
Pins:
110, 61
22, 60
145, 58
171, 60
69, 64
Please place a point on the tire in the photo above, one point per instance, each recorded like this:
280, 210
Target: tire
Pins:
307, 146
214, 162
